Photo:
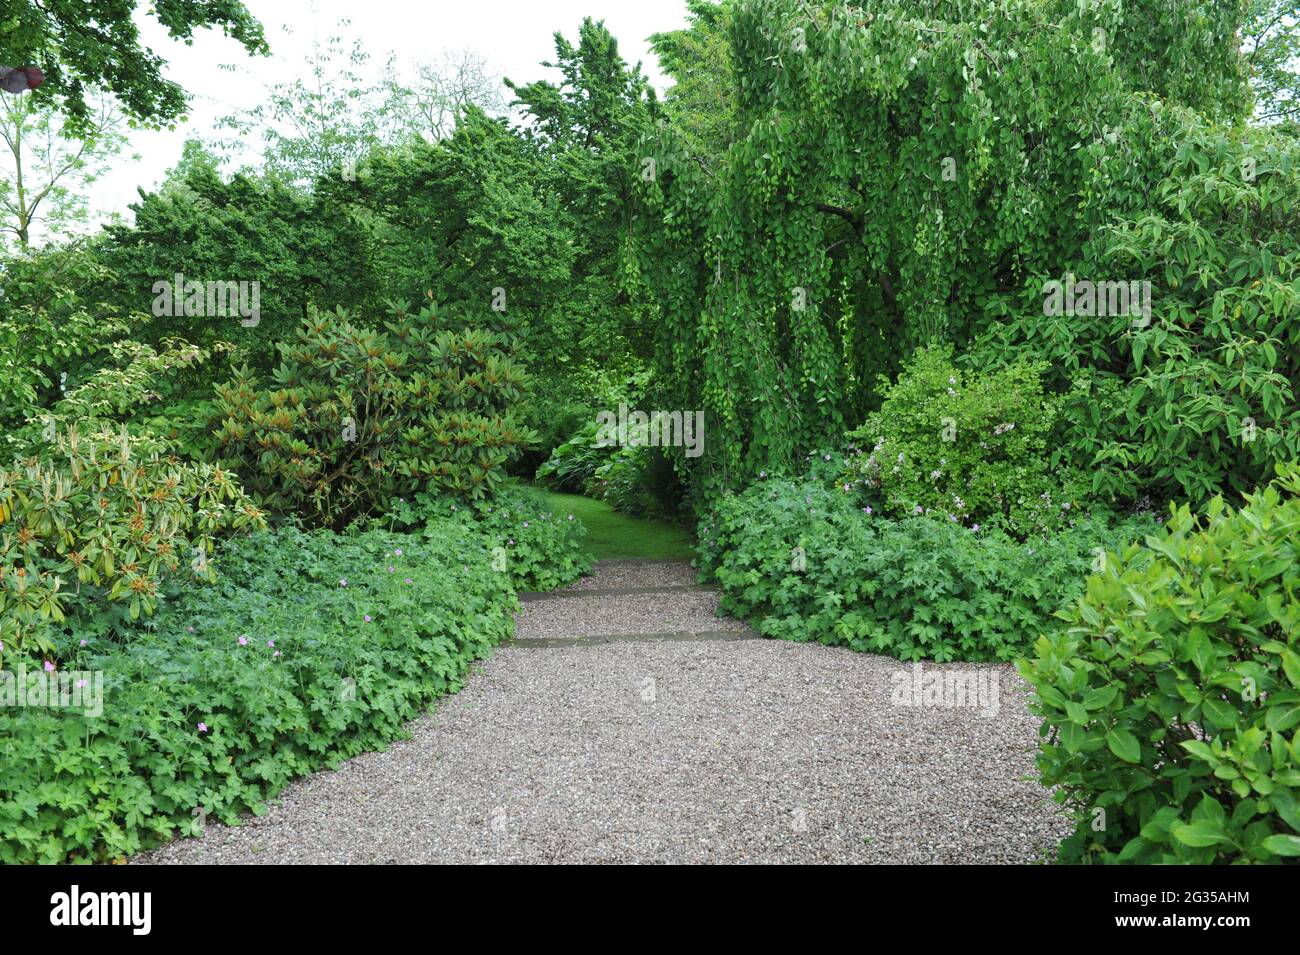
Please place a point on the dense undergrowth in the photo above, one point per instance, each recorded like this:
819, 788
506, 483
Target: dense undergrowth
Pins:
311, 647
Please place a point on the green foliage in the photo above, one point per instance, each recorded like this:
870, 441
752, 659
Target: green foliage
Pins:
357, 418
561, 401
311, 649
56, 165
96, 44
317, 123
969, 448
701, 102
573, 464
523, 537
636, 480
639, 481
1271, 45
586, 129
897, 168
101, 518
802, 562
304, 251
465, 216
1199, 396
1171, 700
49, 329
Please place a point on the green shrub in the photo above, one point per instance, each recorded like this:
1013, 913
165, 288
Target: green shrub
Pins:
801, 562
1198, 397
1171, 701
311, 648
573, 463
99, 519
970, 448
359, 417
639, 481
48, 328
524, 538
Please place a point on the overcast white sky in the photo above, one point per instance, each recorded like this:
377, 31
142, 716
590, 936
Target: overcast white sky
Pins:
514, 35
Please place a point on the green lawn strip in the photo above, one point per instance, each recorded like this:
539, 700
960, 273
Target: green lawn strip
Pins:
615, 536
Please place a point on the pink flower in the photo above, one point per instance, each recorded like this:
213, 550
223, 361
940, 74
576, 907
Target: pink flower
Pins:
398, 552
203, 727
276, 653
49, 667
367, 618
409, 580
343, 582
243, 641
84, 642
271, 644
391, 568
80, 684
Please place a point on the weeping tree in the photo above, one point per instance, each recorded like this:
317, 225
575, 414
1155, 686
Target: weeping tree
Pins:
899, 166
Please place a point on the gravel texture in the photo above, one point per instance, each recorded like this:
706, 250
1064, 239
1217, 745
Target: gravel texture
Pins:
611, 574
742, 751
578, 616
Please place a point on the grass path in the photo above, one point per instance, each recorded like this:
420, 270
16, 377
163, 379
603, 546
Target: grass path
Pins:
615, 536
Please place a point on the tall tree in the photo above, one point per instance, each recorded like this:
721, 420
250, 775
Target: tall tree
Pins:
899, 169
320, 125
83, 45
48, 164
431, 103
587, 129
1271, 46
702, 99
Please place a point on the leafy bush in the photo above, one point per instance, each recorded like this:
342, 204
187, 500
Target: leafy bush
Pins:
537, 548
48, 330
971, 448
801, 562
1199, 396
304, 250
312, 648
573, 464
639, 481
112, 514
1171, 701
359, 417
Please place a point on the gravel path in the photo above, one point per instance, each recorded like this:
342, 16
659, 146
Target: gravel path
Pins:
668, 751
